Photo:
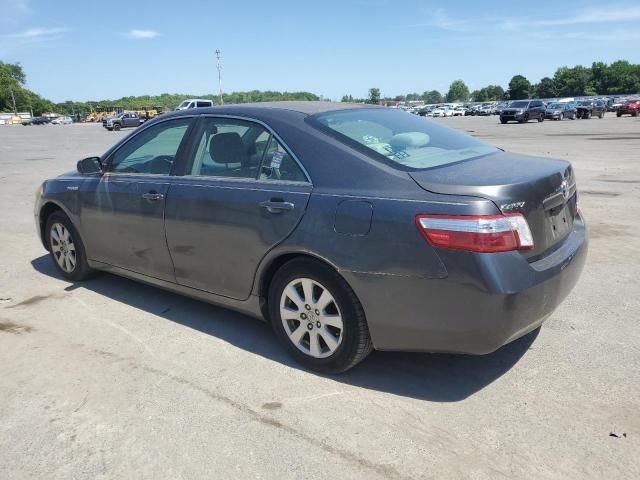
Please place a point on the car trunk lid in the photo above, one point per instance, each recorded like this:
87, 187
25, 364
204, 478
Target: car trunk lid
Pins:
543, 190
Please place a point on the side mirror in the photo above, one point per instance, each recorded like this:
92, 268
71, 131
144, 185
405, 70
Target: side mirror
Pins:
90, 166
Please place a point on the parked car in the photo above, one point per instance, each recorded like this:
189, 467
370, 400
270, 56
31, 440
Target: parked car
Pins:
122, 120
590, 108
485, 110
459, 111
523, 110
560, 111
36, 121
443, 243
194, 103
62, 121
630, 107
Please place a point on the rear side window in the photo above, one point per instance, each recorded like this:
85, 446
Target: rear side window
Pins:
203, 104
241, 149
400, 139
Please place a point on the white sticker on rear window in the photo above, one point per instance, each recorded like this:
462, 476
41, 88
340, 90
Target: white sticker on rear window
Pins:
276, 159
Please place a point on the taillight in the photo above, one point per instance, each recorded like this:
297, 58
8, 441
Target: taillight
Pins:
476, 233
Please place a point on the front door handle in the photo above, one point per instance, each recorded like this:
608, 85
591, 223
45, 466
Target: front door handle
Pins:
152, 196
277, 206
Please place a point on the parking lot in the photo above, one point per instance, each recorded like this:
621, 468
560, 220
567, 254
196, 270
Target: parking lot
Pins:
114, 379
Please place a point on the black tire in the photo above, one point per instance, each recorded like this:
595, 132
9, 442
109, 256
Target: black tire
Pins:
355, 344
503, 121
635, 113
587, 115
116, 126
618, 115
541, 117
81, 269
601, 116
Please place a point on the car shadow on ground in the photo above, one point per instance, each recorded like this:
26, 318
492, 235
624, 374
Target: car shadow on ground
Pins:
431, 377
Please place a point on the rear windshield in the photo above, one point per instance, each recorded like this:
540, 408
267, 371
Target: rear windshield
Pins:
400, 139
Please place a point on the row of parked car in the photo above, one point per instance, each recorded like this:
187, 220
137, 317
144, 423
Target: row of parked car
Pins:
524, 110
63, 120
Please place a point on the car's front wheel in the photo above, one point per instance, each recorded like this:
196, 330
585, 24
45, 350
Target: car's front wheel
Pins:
66, 247
317, 316
116, 126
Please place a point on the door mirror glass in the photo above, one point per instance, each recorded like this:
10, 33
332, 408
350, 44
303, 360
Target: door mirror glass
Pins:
90, 166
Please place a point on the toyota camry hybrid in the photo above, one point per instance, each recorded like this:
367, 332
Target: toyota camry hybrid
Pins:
347, 227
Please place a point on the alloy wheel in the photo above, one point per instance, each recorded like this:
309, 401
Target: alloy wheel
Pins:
311, 317
63, 247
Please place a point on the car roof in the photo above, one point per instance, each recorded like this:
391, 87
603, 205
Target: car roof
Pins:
304, 107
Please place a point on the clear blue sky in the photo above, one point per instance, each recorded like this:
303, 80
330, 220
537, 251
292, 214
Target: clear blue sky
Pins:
82, 50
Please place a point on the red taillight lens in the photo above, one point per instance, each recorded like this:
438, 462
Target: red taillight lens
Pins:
476, 233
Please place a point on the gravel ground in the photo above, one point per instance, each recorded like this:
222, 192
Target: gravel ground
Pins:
113, 379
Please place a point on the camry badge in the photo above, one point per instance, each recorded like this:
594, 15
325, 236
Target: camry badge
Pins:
512, 207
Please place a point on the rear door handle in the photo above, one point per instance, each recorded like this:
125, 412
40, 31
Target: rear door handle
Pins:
152, 196
277, 206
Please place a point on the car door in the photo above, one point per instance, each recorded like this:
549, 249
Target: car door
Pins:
241, 194
122, 212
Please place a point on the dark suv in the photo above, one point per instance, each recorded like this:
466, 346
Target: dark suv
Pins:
591, 108
523, 110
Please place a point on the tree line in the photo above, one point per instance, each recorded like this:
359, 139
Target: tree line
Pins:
620, 77
14, 97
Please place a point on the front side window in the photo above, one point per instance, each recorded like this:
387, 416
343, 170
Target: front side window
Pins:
241, 149
152, 151
402, 140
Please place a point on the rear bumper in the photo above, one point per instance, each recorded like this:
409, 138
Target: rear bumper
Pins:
486, 301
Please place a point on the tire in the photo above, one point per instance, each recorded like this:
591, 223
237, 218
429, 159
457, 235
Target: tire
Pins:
618, 114
601, 116
541, 118
502, 121
561, 117
339, 345
635, 113
116, 126
59, 227
587, 115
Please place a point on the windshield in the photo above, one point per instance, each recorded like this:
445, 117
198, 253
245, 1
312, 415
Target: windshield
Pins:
554, 106
402, 140
585, 104
519, 104
184, 104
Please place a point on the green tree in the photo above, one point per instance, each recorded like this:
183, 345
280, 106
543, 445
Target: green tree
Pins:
413, 97
572, 82
545, 89
434, 96
347, 98
374, 96
519, 88
458, 92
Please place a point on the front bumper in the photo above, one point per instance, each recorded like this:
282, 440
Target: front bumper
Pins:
486, 301
552, 115
512, 116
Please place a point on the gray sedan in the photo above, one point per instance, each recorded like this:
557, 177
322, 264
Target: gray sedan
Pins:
347, 227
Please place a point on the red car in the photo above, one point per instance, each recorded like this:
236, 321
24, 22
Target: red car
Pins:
630, 107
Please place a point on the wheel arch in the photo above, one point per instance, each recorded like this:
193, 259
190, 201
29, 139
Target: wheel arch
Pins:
273, 264
45, 212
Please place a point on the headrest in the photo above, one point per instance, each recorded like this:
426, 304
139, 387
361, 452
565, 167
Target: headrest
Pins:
409, 140
227, 148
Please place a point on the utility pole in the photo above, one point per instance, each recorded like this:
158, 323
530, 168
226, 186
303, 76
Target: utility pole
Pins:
219, 66
13, 98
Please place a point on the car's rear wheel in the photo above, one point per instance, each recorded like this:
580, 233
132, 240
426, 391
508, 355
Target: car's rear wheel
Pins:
503, 121
317, 316
66, 247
